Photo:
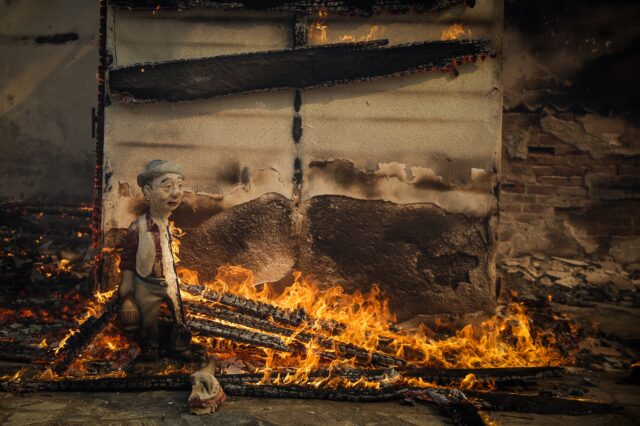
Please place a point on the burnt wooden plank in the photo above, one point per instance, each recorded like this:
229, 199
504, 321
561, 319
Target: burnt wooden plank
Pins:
297, 68
357, 7
504, 401
215, 329
484, 374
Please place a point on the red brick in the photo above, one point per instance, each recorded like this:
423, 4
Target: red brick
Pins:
538, 208
540, 189
576, 181
513, 208
517, 198
576, 191
602, 169
552, 180
567, 171
542, 170
517, 188
628, 170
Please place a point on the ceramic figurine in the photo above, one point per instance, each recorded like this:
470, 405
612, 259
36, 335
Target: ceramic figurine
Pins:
148, 271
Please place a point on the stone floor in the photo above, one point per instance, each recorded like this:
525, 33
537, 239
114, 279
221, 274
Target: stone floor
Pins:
169, 407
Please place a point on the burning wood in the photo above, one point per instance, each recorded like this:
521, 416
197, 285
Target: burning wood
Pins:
299, 68
217, 329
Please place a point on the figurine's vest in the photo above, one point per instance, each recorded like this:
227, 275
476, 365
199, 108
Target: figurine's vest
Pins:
146, 254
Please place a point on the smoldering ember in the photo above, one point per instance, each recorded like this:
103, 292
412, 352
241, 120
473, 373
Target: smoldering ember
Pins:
320, 212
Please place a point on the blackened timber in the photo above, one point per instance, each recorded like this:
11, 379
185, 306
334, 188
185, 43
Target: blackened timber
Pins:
346, 349
247, 306
484, 374
297, 68
216, 329
504, 401
84, 335
20, 352
182, 382
455, 404
345, 7
237, 318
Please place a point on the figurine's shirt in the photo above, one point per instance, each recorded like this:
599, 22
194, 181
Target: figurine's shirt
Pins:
130, 248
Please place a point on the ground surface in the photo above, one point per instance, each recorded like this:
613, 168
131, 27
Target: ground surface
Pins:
169, 407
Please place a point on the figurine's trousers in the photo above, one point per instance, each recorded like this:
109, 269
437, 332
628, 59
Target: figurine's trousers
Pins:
149, 298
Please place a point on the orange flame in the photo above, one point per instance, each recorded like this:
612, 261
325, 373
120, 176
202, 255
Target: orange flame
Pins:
454, 32
507, 339
318, 30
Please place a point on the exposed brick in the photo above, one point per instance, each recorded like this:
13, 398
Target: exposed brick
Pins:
540, 189
538, 208
576, 191
517, 198
603, 169
552, 180
513, 208
550, 160
542, 170
576, 181
628, 170
567, 171
518, 188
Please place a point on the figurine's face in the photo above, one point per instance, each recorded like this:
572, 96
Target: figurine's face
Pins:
164, 193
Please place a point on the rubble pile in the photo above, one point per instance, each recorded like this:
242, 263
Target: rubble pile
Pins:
598, 296
46, 263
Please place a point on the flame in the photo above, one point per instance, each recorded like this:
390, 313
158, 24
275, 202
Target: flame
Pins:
176, 234
454, 32
374, 33
64, 266
505, 340
318, 30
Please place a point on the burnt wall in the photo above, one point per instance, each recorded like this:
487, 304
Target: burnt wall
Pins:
47, 89
570, 178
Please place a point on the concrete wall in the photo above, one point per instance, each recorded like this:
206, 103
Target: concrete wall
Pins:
47, 88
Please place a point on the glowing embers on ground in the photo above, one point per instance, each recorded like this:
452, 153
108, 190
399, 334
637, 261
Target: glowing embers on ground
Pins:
364, 321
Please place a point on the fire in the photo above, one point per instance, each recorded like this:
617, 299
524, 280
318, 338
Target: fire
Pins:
374, 33
506, 340
176, 234
318, 30
454, 32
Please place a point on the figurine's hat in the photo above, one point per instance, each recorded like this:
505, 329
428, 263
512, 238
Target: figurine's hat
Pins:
157, 168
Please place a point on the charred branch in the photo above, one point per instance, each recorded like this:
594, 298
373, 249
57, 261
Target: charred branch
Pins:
215, 329
298, 68
346, 7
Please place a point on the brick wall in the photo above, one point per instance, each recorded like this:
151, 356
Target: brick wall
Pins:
569, 185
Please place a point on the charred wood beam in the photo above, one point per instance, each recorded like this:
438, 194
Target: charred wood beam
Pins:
216, 329
20, 352
454, 403
183, 382
350, 7
503, 401
224, 313
247, 306
84, 335
297, 68
346, 349
447, 375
